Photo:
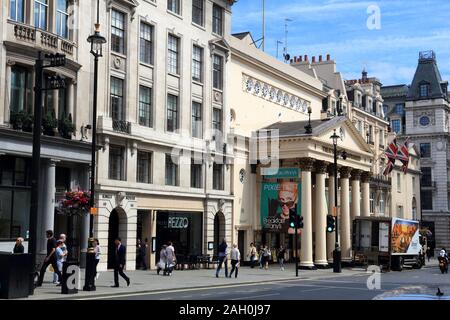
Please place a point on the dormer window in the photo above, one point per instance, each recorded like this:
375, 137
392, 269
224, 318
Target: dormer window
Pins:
424, 90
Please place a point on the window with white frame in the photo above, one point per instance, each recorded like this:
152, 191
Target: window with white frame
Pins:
17, 10
197, 11
144, 167
197, 63
172, 113
21, 98
171, 170
118, 31
217, 72
146, 43
40, 14
424, 90
217, 20
117, 105
382, 204
172, 54
62, 18
145, 106
197, 123
174, 6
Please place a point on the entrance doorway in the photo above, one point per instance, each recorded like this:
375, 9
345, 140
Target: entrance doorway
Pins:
116, 228
219, 231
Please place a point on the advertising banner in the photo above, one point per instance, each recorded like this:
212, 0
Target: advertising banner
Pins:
405, 236
279, 173
279, 200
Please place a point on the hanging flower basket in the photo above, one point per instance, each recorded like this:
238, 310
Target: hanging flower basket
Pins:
75, 202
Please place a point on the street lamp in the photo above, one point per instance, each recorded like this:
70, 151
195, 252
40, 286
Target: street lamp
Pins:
337, 250
96, 40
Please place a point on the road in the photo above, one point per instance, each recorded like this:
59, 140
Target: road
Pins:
424, 281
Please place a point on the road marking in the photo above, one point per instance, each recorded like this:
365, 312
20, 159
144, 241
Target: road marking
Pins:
254, 297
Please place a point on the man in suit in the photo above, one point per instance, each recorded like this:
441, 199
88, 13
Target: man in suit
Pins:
119, 263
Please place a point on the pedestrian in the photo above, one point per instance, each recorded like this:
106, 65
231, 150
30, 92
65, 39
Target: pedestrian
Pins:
18, 247
280, 257
50, 258
60, 254
162, 264
235, 256
265, 258
142, 251
119, 263
97, 252
63, 238
222, 258
253, 253
429, 253
170, 258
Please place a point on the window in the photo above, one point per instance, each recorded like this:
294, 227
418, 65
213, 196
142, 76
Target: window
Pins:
426, 199
116, 163
14, 213
21, 89
197, 63
382, 204
218, 176
399, 183
197, 120
40, 14
217, 72
426, 178
399, 109
174, 6
172, 113
63, 106
424, 90
396, 126
197, 12
144, 169
117, 109
217, 20
146, 43
425, 150
370, 134
171, 171
62, 18
118, 32
145, 106
196, 174
173, 54
372, 202
381, 142
16, 10
217, 119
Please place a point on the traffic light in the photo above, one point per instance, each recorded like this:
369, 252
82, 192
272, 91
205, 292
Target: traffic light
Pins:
331, 223
295, 221
300, 222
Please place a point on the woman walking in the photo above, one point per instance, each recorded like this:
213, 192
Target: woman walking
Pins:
265, 258
162, 260
253, 255
280, 257
235, 256
97, 256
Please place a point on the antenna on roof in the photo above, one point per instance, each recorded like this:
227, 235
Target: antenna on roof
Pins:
278, 42
262, 40
286, 55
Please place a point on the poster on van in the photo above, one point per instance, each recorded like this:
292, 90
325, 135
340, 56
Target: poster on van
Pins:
405, 236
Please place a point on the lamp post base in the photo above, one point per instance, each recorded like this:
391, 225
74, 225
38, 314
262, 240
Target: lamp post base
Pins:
89, 281
337, 267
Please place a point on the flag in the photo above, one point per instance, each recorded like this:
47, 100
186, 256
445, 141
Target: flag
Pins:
404, 156
389, 168
391, 153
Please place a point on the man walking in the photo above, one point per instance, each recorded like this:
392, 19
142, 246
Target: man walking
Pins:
50, 258
119, 263
235, 257
222, 258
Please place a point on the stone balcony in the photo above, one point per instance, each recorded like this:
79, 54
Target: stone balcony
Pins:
40, 39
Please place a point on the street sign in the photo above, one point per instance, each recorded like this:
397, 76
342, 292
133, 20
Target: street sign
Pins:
94, 211
56, 60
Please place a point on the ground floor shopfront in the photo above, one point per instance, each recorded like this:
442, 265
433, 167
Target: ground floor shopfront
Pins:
195, 225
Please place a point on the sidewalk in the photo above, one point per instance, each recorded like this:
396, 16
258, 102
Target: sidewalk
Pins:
149, 281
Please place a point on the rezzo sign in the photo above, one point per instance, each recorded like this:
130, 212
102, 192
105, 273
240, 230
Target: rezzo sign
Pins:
178, 223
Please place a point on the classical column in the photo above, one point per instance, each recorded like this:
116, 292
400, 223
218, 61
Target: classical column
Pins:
365, 177
356, 196
48, 191
331, 237
345, 214
306, 253
320, 257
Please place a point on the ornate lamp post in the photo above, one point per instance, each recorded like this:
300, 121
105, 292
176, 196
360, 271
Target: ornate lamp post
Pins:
96, 40
337, 250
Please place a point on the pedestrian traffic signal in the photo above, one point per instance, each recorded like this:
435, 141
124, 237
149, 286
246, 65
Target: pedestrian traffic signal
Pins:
295, 221
331, 223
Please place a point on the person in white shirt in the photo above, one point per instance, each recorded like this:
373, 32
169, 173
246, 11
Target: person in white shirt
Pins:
97, 256
170, 258
235, 257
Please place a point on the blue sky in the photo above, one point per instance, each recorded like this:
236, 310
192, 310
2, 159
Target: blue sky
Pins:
339, 27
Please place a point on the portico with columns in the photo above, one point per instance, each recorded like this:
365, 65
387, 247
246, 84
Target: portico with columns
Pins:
313, 154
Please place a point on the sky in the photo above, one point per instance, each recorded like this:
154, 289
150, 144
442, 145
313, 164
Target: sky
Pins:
352, 32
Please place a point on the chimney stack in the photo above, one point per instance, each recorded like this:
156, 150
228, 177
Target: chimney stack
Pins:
295, 59
306, 57
328, 57
320, 58
314, 59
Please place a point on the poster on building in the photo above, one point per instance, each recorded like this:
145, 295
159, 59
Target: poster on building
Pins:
279, 200
405, 236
